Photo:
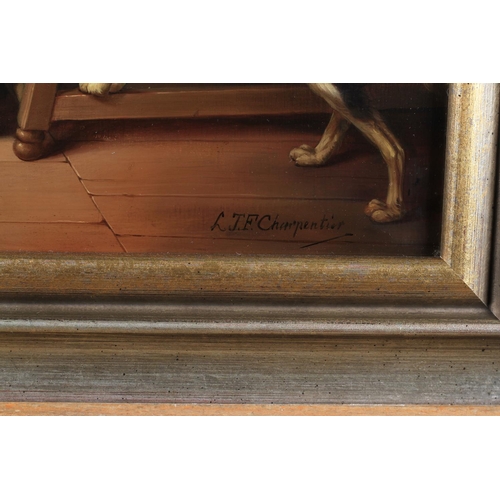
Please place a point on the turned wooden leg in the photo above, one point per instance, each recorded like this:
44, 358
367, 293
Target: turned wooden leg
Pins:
32, 144
35, 113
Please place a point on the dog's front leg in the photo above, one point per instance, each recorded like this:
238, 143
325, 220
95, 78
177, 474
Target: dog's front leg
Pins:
330, 143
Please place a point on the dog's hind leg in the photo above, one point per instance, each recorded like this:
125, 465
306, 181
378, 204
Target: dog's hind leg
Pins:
307, 156
394, 156
373, 127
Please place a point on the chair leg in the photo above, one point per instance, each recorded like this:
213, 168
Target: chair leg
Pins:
34, 117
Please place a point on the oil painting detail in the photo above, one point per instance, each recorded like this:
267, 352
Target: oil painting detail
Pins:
213, 168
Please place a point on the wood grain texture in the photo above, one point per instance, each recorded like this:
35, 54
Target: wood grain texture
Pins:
278, 369
251, 410
236, 168
201, 100
37, 102
44, 237
298, 222
494, 291
470, 182
171, 100
302, 317
177, 187
404, 280
49, 193
193, 246
231, 159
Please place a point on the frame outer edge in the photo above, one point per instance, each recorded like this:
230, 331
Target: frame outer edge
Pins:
470, 180
494, 292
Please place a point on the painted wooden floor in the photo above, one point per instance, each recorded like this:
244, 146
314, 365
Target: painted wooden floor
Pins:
217, 186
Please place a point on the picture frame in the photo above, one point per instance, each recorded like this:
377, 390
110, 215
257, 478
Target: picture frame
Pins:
265, 330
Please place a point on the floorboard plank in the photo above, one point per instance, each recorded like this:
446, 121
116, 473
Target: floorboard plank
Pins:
224, 169
164, 182
173, 216
163, 245
44, 192
58, 237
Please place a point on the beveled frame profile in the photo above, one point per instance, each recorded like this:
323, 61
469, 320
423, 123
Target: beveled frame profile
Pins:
287, 295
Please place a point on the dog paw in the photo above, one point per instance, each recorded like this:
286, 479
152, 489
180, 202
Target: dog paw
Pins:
380, 212
306, 156
101, 89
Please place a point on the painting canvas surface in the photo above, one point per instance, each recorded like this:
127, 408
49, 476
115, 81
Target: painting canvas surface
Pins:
163, 168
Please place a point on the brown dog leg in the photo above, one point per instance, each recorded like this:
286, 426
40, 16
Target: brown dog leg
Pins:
330, 143
376, 131
394, 156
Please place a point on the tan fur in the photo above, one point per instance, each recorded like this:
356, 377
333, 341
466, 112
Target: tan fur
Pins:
101, 89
